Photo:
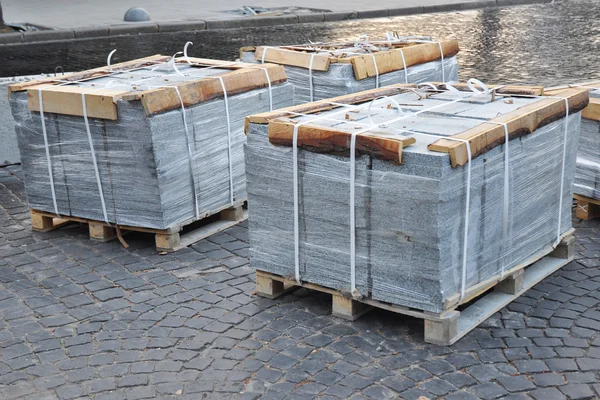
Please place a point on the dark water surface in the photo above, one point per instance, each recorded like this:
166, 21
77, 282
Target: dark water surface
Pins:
543, 44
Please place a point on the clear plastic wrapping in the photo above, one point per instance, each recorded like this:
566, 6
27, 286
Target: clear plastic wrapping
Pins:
339, 79
410, 218
587, 174
146, 176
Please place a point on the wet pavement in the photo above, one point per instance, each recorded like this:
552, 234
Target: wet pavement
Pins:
543, 44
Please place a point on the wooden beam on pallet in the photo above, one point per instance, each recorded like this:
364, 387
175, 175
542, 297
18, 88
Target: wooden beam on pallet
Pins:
321, 139
391, 60
592, 111
293, 58
67, 100
522, 121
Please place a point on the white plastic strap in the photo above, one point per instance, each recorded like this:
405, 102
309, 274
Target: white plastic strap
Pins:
353, 290
310, 78
270, 89
228, 140
93, 152
442, 62
376, 70
185, 54
296, 205
109, 58
48, 158
404, 64
190, 152
562, 172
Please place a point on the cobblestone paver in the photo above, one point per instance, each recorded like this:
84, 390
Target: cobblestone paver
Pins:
80, 319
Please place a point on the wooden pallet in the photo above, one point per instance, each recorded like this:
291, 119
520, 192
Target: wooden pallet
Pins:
449, 326
587, 208
171, 239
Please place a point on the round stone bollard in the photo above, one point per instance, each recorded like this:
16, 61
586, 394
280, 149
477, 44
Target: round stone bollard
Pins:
136, 14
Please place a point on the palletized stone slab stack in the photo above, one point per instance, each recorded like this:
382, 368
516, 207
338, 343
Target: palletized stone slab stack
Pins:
156, 168
410, 190
342, 68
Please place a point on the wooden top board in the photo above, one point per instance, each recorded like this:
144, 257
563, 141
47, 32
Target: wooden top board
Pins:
364, 65
592, 111
63, 98
482, 138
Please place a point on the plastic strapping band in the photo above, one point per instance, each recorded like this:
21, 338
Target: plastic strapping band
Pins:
228, 140
89, 135
405, 69
506, 192
442, 62
310, 78
296, 205
190, 153
270, 89
352, 215
376, 70
48, 159
562, 173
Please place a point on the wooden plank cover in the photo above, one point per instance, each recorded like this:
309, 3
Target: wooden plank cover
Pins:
391, 60
101, 102
521, 121
500, 89
321, 139
592, 111
363, 65
67, 100
293, 58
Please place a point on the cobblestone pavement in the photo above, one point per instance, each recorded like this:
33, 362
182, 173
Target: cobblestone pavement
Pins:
80, 319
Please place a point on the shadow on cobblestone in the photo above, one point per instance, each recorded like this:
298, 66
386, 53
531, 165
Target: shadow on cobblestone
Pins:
80, 319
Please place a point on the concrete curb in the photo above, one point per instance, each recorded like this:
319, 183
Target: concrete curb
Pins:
247, 22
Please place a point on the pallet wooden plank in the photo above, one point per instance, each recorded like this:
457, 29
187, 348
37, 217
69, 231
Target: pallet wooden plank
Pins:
203, 232
522, 121
348, 309
492, 302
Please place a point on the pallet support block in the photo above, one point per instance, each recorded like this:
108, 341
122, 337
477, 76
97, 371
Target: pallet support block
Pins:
101, 232
347, 308
269, 288
442, 330
45, 223
167, 241
565, 249
586, 209
513, 284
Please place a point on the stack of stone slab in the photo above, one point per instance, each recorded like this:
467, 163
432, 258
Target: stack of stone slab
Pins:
412, 178
166, 138
324, 70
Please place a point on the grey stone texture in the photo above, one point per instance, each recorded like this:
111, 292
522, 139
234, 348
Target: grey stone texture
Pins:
132, 347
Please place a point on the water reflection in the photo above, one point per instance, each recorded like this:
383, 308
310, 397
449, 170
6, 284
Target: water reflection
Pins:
539, 44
